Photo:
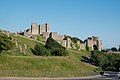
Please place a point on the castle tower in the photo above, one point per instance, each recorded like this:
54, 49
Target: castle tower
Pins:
89, 43
99, 45
44, 28
34, 28
68, 42
95, 40
47, 27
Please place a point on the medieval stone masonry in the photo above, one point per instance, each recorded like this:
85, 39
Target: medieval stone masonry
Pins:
91, 43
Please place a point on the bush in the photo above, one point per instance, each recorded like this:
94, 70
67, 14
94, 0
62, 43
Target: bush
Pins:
114, 49
75, 39
106, 61
38, 38
59, 52
5, 42
55, 48
52, 47
51, 44
41, 50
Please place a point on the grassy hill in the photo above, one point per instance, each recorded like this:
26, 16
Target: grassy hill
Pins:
16, 63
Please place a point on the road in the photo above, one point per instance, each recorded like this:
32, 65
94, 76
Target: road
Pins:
109, 75
72, 78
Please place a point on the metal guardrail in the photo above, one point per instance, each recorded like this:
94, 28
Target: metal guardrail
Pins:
20, 73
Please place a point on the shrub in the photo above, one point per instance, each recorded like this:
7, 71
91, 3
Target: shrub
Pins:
106, 61
114, 49
5, 42
41, 50
52, 47
38, 38
75, 39
59, 52
51, 44
55, 48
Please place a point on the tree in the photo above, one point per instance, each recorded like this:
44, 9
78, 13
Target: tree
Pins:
51, 44
5, 42
119, 48
106, 61
41, 50
55, 48
38, 38
59, 52
75, 39
114, 49
77, 46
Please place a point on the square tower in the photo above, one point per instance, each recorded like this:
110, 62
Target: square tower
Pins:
34, 28
44, 28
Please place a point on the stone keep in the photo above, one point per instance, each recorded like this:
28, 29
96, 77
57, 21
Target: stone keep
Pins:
44, 28
34, 29
39, 29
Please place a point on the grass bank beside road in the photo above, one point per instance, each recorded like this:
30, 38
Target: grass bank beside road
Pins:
44, 66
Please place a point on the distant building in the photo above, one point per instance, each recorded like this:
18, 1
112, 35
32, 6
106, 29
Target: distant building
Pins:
91, 43
44, 31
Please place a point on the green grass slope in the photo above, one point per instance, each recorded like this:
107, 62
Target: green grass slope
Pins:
36, 66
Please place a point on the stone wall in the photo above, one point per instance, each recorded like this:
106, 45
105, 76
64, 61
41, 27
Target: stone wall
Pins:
63, 43
82, 46
27, 33
59, 37
46, 35
53, 35
100, 45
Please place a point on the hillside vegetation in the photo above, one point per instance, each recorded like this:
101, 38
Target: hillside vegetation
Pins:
35, 65
24, 63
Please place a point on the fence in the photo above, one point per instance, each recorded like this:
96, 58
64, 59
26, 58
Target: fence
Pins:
34, 73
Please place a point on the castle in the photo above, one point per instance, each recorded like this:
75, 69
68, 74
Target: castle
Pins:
91, 43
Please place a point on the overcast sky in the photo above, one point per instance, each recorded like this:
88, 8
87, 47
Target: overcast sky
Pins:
78, 18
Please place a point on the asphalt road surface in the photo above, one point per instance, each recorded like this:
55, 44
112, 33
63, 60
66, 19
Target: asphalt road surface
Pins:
109, 75
73, 78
